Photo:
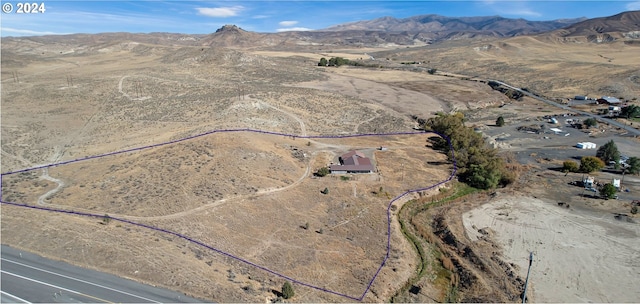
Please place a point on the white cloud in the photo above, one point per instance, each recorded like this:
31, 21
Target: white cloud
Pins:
523, 12
288, 23
511, 8
21, 32
220, 12
633, 6
260, 16
294, 29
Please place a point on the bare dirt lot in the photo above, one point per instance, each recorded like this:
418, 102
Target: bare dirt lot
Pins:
579, 256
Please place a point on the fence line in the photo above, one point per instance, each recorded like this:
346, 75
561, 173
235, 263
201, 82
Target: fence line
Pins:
370, 283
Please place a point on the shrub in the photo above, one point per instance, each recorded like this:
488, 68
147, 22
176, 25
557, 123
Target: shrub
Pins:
325, 191
590, 122
500, 121
589, 164
287, 290
570, 166
106, 219
634, 210
323, 171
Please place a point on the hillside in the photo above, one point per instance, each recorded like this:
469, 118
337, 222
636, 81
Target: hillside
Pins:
625, 25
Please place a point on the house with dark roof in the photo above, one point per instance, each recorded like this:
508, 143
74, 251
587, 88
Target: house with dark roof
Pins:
352, 162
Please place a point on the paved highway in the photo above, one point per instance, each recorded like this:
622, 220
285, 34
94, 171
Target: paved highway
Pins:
612, 122
29, 278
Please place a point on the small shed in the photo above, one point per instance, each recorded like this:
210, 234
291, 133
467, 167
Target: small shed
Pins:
616, 183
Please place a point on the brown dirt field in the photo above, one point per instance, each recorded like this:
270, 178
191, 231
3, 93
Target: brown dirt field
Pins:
398, 99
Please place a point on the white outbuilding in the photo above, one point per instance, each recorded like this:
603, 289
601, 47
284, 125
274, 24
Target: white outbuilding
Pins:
585, 145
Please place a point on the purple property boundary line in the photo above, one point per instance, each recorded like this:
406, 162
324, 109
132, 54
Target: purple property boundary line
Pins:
360, 298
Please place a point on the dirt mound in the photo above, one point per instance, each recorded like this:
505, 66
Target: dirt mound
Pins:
483, 276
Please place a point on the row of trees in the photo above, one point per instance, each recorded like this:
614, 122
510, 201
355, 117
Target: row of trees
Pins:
335, 61
479, 165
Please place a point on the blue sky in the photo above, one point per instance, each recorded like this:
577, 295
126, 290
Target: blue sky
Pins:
202, 17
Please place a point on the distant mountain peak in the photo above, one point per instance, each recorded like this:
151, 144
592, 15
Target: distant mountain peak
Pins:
229, 28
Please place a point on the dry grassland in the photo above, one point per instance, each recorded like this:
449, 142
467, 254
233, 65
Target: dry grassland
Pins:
186, 187
247, 194
244, 193
561, 69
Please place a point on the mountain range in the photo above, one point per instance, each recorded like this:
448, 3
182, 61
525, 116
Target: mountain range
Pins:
412, 31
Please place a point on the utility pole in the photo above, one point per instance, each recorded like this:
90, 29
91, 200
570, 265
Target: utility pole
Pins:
524, 294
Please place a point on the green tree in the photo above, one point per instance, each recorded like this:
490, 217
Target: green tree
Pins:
287, 290
609, 152
633, 164
323, 62
482, 177
608, 191
337, 61
570, 166
500, 121
590, 122
589, 164
630, 111
323, 171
